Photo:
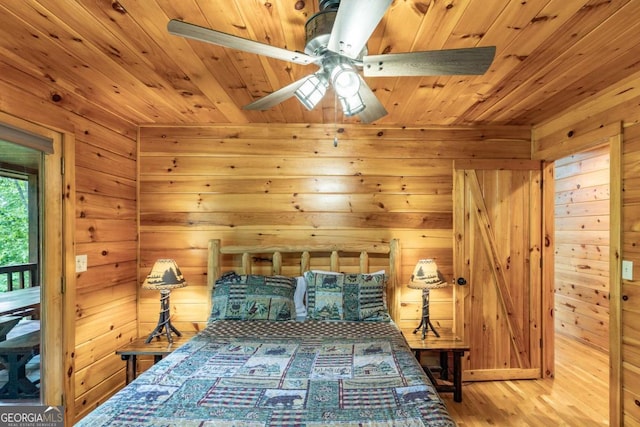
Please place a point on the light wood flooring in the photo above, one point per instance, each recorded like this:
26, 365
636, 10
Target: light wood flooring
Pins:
577, 396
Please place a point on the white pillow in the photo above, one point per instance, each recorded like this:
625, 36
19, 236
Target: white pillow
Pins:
335, 273
338, 273
299, 297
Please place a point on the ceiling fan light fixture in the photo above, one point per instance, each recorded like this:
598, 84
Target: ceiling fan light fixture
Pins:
311, 92
336, 41
352, 105
345, 79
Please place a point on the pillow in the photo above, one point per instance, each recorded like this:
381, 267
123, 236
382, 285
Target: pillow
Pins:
332, 296
372, 297
253, 297
331, 273
324, 295
384, 295
299, 296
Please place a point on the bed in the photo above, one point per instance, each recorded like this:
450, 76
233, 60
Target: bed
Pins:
296, 344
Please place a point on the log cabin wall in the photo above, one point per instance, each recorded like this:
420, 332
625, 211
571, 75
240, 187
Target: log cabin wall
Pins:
616, 104
582, 247
278, 184
102, 200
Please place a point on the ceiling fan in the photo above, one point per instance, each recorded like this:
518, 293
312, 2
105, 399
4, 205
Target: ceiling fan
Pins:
336, 43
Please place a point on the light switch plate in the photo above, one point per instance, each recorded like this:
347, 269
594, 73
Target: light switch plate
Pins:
627, 270
81, 263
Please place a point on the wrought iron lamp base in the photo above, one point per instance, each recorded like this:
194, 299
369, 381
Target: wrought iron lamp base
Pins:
164, 320
425, 323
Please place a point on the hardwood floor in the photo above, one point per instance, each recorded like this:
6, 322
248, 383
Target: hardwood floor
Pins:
577, 396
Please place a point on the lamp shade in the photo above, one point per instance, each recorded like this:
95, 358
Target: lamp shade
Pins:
426, 276
165, 274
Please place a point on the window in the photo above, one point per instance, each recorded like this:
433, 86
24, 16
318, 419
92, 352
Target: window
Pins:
18, 254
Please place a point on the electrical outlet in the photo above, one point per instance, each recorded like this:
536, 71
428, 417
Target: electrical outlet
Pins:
627, 270
81, 263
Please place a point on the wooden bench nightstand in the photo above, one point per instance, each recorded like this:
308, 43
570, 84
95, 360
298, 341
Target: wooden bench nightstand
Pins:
156, 348
445, 345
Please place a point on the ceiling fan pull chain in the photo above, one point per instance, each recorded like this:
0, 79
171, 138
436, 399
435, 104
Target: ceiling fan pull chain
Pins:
335, 119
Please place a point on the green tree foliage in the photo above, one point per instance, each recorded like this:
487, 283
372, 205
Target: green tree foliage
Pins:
14, 221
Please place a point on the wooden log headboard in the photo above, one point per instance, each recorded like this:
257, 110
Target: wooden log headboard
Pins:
348, 258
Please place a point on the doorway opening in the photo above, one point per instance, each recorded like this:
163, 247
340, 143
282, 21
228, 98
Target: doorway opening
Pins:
582, 260
20, 266
34, 154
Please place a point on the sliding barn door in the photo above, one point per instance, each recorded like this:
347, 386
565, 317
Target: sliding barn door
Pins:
497, 253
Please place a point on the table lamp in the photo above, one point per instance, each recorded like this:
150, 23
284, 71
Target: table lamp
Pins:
164, 276
426, 277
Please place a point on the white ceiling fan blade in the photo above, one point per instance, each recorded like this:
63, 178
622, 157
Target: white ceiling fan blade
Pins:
276, 97
373, 107
355, 22
195, 32
467, 61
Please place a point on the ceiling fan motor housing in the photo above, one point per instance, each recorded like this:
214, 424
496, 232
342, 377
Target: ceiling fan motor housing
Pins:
318, 29
328, 4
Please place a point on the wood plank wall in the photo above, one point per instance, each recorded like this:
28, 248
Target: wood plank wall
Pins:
403, 203
618, 103
278, 184
103, 202
582, 247
106, 294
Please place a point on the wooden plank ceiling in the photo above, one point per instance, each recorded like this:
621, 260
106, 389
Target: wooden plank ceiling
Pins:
104, 57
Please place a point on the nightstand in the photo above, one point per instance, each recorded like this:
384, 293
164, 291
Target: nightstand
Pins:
158, 348
445, 345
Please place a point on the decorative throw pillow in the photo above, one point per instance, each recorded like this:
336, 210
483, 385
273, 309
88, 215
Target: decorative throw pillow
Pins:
372, 297
253, 297
324, 295
356, 297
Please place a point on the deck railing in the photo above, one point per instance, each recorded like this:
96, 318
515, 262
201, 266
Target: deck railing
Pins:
26, 275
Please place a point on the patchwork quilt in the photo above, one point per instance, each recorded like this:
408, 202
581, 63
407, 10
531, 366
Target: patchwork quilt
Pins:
261, 373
